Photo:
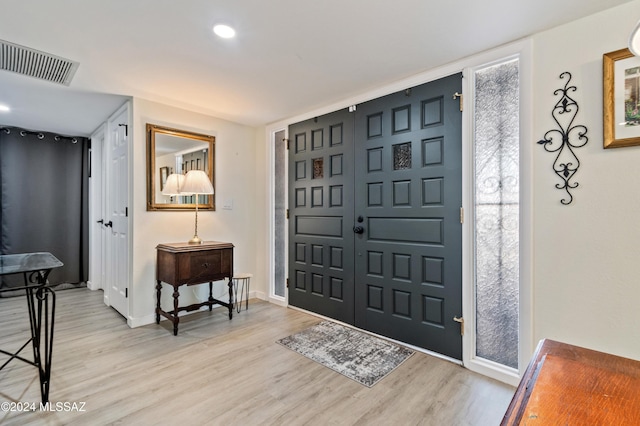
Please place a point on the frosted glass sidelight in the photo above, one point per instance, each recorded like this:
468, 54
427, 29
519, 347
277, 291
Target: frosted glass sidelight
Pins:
280, 184
496, 156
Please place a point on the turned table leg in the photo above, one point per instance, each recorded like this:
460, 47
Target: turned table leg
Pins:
210, 296
176, 293
158, 291
230, 298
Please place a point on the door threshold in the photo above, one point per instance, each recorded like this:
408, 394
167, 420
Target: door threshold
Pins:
397, 342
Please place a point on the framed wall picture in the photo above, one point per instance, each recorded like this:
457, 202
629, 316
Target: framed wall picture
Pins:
621, 97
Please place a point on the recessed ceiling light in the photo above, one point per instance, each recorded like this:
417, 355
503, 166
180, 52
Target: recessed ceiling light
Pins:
4, 108
224, 31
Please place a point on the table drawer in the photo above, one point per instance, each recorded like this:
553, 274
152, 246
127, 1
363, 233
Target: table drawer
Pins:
202, 266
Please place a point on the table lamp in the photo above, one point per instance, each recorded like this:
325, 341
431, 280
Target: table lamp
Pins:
196, 182
173, 185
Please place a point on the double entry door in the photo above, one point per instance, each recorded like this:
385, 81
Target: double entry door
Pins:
375, 235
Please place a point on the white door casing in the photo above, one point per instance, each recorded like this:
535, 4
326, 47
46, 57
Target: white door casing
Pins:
96, 211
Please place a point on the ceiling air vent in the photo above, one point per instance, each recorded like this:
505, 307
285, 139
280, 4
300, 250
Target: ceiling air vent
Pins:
31, 62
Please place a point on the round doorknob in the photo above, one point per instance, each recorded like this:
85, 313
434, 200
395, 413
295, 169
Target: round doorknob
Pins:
358, 229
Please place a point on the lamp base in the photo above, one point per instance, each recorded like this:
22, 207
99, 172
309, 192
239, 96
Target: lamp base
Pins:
195, 240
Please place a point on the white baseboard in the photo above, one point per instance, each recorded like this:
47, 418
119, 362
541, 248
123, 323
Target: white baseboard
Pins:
142, 321
277, 301
93, 286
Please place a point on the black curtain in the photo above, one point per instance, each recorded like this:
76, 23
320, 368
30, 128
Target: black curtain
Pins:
44, 200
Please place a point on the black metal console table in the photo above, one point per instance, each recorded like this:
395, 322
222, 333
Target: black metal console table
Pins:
35, 268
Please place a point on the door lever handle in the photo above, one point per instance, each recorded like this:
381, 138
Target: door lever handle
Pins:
109, 224
100, 221
461, 321
358, 229
458, 95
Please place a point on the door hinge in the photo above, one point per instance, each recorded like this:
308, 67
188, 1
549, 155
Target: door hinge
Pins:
126, 212
458, 95
461, 214
353, 108
126, 128
287, 141
287, 282
287, 213
126, 292
461, 321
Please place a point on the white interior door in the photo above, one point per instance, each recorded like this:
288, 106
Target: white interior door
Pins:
117, 221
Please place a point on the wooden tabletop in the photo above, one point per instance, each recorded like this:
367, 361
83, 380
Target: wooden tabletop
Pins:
570, 385
182, 247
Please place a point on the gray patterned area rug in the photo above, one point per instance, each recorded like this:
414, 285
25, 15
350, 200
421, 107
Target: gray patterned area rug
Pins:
352, 353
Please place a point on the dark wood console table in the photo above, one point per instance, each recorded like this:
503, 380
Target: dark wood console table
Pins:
570, 385
190, 264
35, 268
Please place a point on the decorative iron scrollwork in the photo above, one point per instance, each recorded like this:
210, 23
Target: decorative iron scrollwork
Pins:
565, 140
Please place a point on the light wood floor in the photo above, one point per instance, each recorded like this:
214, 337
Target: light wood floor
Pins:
223, 372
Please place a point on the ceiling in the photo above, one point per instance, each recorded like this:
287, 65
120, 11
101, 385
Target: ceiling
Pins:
289, 56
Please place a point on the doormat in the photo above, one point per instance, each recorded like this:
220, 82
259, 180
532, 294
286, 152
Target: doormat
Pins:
352, 353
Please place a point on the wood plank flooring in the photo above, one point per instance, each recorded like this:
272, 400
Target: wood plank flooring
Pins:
221, 372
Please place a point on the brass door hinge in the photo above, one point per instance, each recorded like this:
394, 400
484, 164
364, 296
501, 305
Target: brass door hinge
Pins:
461, 214
461, 321
458, 95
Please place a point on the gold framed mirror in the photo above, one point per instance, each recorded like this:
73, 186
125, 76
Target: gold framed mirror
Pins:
175, 152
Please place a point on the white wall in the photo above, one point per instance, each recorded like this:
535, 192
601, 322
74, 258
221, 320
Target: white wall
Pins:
235, 177
587, 254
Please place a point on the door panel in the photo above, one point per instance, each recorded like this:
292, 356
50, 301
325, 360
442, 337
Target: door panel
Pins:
408, 260
321, 208
117, 192
375, 237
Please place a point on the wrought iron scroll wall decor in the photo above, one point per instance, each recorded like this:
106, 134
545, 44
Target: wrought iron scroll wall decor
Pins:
566, 139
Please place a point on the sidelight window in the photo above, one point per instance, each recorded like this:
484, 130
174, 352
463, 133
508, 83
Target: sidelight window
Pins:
279, 202
496, 209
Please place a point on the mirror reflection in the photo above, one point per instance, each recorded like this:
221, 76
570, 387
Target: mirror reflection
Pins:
171, 154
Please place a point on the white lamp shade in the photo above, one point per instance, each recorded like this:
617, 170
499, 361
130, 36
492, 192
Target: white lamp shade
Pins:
634, 40
196, 182
173, 184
